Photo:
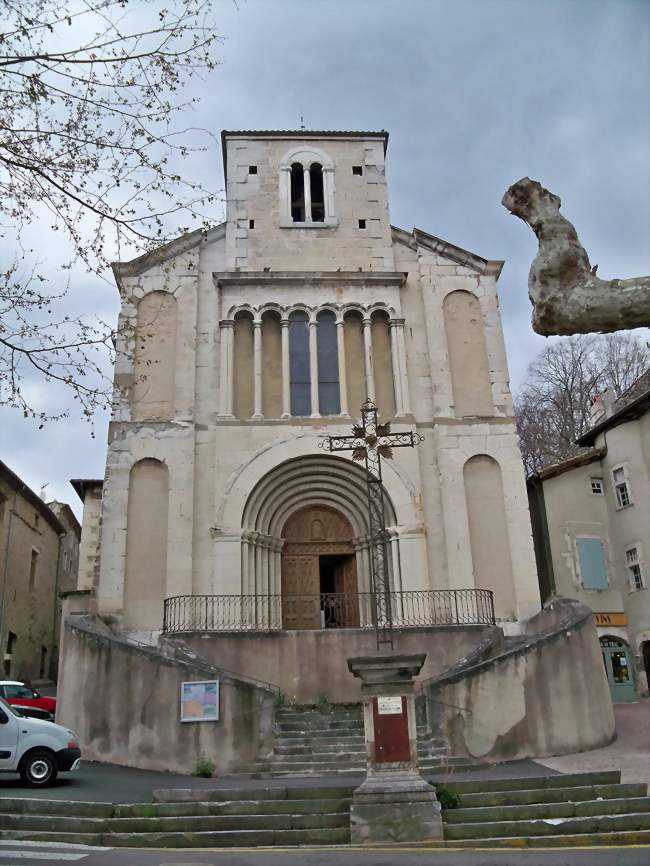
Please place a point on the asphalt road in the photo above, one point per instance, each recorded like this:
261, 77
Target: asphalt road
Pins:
42, 855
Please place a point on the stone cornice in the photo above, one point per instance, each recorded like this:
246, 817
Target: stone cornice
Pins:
164, 253
300, 279
417, 237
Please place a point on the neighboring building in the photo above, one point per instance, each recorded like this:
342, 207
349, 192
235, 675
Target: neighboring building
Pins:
223, 520
591, 527
39, 555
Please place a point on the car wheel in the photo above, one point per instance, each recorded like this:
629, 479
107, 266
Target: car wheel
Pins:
38, 769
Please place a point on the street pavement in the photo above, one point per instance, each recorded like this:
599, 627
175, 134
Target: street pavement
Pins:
36, 854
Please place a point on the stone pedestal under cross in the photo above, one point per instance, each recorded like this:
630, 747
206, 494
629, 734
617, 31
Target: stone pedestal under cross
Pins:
394, 803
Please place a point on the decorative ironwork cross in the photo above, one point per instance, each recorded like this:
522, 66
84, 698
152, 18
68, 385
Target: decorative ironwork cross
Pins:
369, 442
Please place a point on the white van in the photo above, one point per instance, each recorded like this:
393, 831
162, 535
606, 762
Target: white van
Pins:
36, 749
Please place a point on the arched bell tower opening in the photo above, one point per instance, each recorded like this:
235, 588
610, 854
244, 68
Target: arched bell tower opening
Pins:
319, 570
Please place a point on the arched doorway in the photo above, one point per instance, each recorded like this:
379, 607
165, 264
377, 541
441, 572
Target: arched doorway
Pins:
618, 665
319, 570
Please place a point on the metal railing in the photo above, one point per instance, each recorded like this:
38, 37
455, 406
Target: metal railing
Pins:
260, 613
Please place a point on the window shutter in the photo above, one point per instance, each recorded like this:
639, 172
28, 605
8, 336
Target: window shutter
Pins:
593, 569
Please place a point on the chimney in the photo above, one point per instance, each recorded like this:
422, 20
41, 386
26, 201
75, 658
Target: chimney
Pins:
602, 406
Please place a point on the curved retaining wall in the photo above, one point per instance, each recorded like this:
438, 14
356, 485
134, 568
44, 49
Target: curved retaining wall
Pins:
123, 702
544, 693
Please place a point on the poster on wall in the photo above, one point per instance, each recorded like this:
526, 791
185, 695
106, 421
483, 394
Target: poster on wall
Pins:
200, 701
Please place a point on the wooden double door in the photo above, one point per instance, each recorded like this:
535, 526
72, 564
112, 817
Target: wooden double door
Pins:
319, 571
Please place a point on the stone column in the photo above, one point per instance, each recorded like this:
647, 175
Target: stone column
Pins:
257, 369
307, 192
397, 367
328, 191
367, 358
226, 327
343, 374
406, 403
394, 803
286, 385
313, 367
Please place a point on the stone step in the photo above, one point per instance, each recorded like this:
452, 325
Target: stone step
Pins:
552, 795
331, 736
561, 780
319, 725
329, 758
61, 838
342, 715
581, 840
208, 839
221, 795
547, 810
51, 823
320, 748
357, 747
234, 807
38, 806
550, 827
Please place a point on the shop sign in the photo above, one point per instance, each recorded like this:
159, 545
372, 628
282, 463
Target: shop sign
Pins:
604, 619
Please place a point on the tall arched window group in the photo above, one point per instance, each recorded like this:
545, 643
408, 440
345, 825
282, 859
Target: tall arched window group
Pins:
312, 363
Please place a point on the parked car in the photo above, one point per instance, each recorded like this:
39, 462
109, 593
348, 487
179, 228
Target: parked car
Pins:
15, 692
33, 712
35, 749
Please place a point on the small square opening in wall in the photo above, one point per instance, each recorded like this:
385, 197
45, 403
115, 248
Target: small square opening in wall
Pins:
251, 224
362, 224
357, 169
252, 169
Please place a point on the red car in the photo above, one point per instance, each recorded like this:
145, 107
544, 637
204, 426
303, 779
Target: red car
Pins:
22, 695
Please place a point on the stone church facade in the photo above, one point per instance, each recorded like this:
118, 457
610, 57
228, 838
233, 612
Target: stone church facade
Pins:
224, 527
248, 344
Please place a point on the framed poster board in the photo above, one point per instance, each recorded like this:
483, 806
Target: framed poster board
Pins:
200, 701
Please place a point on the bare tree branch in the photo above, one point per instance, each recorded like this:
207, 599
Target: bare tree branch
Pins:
88, 98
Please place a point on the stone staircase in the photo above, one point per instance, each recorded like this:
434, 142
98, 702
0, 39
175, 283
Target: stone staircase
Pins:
553, 811
582, 809
329, 740
213, 818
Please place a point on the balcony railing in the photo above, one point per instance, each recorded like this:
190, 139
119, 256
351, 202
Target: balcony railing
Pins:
261, 613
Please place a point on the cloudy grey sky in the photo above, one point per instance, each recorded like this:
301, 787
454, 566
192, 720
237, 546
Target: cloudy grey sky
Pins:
475, 94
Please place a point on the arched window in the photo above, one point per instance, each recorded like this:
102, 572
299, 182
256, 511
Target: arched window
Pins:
317, 193
328, 364
307, 189
382, 363
297, 193
354, 360
243, 366
271, 365
299, 374
488, 532
468, 357
146, 544
155, 357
